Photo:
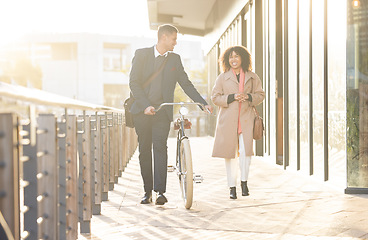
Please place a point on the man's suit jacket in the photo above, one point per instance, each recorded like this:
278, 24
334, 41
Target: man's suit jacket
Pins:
173, 72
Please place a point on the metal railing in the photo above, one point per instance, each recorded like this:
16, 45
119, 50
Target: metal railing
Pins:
59, 157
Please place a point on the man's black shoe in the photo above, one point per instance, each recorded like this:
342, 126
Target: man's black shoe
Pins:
161, 199
147, 198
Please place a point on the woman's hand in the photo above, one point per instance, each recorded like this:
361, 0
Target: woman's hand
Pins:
209, 108
241, 97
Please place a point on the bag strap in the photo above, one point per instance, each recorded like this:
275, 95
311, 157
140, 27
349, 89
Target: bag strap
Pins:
154, 75
252, 87
255, 111
254, 108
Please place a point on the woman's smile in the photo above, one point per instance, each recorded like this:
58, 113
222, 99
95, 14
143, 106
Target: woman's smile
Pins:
235, 60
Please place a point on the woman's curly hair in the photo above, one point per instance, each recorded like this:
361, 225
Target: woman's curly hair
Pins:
246, 59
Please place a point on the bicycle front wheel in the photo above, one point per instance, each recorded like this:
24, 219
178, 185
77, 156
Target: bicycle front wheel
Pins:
186, 173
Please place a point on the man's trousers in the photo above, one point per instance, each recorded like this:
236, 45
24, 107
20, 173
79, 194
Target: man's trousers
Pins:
152, 133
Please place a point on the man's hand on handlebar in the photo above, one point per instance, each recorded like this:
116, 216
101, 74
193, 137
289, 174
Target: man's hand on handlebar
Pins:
150, 111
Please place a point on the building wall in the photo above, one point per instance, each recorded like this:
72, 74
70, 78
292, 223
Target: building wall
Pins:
61, 77
90, 68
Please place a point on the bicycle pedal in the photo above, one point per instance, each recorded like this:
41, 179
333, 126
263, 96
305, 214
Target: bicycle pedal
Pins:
198, 178
170, 168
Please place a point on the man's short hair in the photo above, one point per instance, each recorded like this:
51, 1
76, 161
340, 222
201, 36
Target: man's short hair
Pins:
166, 29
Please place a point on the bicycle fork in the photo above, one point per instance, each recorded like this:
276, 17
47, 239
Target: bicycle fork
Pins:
197, 178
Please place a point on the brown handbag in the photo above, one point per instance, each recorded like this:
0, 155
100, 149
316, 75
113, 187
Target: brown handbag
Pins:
258, 127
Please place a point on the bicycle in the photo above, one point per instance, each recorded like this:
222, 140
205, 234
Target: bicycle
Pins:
183, 167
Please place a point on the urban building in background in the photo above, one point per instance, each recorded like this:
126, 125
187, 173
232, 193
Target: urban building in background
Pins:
312, 59
90, 67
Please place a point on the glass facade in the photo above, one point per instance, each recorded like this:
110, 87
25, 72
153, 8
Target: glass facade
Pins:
317, 83
357, 93
308, 93
304, 91
325, 74
271, 78
336, 43
293, 83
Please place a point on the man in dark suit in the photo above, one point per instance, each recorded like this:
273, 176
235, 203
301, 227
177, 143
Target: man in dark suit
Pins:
153, 127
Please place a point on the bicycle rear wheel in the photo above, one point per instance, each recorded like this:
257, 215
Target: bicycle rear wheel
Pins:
186, 173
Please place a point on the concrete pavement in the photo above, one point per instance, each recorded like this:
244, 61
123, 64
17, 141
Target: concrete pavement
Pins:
282, 205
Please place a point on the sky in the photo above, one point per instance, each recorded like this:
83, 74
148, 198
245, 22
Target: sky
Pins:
113, 17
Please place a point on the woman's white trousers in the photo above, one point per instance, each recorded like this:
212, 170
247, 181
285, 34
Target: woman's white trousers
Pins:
232, 165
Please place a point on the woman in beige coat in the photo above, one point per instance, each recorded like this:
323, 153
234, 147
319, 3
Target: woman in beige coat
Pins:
236, 91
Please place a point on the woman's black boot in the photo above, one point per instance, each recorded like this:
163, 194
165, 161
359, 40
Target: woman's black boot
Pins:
233, 193
244, 187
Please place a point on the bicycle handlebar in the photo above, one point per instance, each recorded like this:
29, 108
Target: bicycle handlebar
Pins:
203, 108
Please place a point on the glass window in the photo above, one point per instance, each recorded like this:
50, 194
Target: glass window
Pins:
304, 84
336, 91
318, 86
115, 59
64, 51
266, 80
292, 48
357, 93
272, 74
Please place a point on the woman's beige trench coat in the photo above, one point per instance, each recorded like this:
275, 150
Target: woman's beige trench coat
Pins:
226, 136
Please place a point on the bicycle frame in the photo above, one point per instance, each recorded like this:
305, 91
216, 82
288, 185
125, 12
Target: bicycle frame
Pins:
183, 166
179, 138
181, 131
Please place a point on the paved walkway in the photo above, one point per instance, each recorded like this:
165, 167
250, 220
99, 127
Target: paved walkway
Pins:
282, 205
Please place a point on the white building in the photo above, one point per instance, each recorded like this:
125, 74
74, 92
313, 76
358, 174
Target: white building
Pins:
93, 67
